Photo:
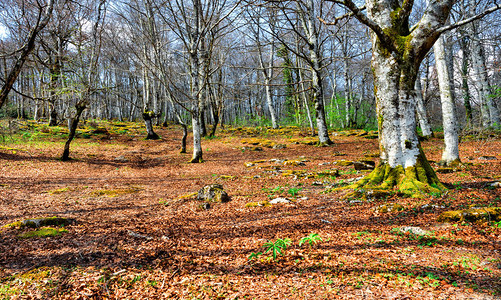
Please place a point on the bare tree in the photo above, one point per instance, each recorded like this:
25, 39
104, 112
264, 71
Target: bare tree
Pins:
43, 18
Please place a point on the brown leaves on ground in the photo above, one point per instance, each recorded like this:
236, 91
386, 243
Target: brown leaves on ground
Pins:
135, 236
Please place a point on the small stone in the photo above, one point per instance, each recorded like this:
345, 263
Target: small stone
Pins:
359, 166
486, 157
317, 183
303, 198
280, 200
414, 230
121, 158
279, 146
495, 184
325, 221
355, 201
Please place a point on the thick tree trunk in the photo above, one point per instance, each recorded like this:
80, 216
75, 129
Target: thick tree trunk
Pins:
148, 122
403, 163
450, 156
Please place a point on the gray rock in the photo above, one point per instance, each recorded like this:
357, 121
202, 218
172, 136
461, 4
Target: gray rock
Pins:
213, 193
486, 157
279, 146
121, 158
358, 165
495, 184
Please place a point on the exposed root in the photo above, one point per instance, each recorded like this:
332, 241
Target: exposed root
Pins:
416, 181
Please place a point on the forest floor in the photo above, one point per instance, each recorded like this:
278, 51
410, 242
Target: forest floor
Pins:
135, 236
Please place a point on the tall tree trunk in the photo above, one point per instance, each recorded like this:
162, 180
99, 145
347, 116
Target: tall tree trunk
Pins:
489, 112
450, 156
421, 111
309, 26
464, 81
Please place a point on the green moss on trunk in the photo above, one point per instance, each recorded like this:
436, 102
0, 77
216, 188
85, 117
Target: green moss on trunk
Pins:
416, 181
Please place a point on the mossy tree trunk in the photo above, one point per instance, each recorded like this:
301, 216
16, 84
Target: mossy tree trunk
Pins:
148, 122
397, 55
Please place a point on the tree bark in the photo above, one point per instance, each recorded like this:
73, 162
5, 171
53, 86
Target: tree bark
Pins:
421, 111
450, 156
72, 127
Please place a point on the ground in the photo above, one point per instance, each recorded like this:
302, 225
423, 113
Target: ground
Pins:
135, 236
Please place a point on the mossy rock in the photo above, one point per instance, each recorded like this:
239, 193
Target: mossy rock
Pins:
364, 165
343, 163
307, 141
372, 155
472, 215
115, 193
444, 170
293, 163
40, 222
259, 142
268, 144
371, 136
42, 233
253, 148
213, 193
251, 141
189, 196
389, 207
58, 191
298, 173
264, 203
226, 177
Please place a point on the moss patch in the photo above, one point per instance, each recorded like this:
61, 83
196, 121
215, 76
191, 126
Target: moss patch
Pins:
189, 196
264, 203
58, 191
472, 214
42, 233
115, 193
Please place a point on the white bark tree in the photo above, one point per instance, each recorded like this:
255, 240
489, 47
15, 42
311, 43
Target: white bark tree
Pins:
398, 50
421, 111
450, 156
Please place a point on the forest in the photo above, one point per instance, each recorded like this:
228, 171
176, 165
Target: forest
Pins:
250, 149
